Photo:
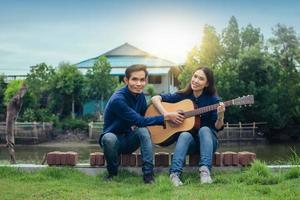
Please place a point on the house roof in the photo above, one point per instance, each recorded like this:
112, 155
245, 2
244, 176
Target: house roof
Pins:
126, 50
153, 71
125, 55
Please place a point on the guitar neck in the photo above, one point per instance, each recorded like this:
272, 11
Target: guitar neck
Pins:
206, 109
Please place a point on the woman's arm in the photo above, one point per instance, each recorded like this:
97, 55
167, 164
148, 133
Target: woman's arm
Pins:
220, 119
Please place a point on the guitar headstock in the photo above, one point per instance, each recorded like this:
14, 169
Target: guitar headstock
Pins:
244, 100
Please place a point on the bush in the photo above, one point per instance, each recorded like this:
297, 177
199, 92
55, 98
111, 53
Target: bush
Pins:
72, 124
40, 115
150, 90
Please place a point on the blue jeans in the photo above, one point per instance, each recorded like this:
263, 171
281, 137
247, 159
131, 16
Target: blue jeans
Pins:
115, 144
204, 142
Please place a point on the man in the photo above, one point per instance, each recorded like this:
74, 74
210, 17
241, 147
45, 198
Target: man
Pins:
124, 123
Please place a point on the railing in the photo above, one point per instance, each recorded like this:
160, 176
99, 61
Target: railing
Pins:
95, 129
241, 132
34, 131
231, 132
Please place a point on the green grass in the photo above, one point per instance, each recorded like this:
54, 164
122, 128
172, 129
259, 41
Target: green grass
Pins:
256, 182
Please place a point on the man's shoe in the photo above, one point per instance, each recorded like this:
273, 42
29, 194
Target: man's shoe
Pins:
174, 177
108, 177
205, 175
148, 178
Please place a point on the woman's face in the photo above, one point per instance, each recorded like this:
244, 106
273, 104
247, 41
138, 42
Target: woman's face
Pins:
199, 81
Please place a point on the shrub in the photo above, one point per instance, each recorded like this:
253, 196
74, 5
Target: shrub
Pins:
39, 115
72, 124
150, 90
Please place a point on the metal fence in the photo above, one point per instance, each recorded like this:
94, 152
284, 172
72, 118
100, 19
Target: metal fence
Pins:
231, 132
29, 131
241, 132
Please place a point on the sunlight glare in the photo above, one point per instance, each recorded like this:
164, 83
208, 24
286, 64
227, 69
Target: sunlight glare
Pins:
171, 40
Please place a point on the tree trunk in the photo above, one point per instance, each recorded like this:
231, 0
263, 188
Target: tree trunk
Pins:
13, 109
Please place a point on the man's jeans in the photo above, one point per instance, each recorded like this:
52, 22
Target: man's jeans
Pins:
115, 144
205, 142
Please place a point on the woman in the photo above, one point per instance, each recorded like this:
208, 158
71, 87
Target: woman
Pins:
201, 90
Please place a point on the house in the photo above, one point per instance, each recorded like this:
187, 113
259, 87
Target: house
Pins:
162, 73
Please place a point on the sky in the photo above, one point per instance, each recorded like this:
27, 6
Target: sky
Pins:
35, 31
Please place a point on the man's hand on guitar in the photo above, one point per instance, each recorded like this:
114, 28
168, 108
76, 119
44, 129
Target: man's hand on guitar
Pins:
174, 117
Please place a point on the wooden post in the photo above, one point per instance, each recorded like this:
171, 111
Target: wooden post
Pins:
227, 130
240, 126
90, 130
253, 130
35, 132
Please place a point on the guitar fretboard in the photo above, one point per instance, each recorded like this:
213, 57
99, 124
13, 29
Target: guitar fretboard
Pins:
206, 109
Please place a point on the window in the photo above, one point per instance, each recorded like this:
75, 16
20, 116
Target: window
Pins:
154, 79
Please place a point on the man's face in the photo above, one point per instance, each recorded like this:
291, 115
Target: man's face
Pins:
136, 82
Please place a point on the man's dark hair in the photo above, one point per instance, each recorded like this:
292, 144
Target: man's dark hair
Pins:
135, 68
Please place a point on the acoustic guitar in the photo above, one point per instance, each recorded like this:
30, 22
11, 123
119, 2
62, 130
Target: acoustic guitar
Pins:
160, 134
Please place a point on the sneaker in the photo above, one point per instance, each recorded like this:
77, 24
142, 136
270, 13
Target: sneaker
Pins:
205, 175
175, 179
148, 178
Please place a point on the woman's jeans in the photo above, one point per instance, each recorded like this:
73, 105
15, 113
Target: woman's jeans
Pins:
115, 144
204, 142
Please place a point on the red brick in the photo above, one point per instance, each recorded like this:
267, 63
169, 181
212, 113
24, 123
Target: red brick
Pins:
194, 160
252, 157
235, 159
51, 158
92, 159
128, 160
218, 159
139, 161
99, 159
244, 158
162, 159
63, 158
71, 158
57, 157
227, 158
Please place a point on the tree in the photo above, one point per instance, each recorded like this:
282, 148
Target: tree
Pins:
12, 88
13, 109
38, 82
231, 39
209, 54
286, 46
210, 49
250, 36
286, 51
100, 84
67, 90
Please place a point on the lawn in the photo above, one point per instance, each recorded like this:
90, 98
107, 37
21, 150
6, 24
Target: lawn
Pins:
256, 182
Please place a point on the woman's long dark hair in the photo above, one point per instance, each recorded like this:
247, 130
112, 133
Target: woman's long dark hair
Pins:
209, 90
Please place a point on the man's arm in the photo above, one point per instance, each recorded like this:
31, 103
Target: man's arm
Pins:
174, 117
126, 113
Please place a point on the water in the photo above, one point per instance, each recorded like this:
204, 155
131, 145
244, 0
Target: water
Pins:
270, 153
